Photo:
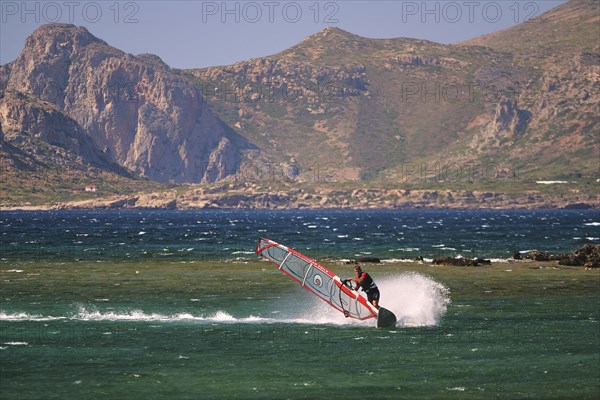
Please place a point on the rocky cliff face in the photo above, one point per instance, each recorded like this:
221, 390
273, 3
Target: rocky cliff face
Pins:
303, 85
560, 90
509, 122
24, 115
136, 110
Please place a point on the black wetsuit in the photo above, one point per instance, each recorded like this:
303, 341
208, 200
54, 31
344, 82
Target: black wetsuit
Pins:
369, 287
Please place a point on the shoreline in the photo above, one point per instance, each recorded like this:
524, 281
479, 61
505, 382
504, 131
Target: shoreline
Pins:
62, 207
131, 204
249, 196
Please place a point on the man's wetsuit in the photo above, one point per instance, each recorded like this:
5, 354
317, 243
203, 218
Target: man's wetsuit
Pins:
369, 287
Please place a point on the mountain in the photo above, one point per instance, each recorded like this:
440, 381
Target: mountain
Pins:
562, 60
567, 30
351, 98
134, 109
337, 111
395, 110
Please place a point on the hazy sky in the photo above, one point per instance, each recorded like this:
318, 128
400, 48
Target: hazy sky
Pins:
188, 34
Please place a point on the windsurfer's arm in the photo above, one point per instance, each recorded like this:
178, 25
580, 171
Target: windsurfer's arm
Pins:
360, 279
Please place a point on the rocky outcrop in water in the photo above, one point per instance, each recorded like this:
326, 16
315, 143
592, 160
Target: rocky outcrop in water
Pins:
537, 255
460, 261
586, 256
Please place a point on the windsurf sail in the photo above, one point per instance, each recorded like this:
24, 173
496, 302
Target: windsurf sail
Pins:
318, 280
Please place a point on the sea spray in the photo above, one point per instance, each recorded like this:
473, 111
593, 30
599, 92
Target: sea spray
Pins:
416, 299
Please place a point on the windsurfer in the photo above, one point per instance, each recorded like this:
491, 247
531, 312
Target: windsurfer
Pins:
367, 284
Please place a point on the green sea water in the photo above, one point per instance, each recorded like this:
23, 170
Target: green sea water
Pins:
203, 330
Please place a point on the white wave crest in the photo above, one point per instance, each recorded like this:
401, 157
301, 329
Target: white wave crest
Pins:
23, 316
85, 314
93, 314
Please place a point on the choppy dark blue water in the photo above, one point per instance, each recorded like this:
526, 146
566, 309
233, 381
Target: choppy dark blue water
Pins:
232, 235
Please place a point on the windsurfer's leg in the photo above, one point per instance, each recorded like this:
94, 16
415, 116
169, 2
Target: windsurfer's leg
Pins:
375, 298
